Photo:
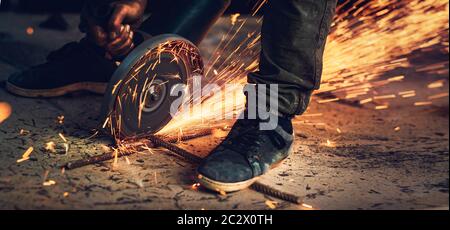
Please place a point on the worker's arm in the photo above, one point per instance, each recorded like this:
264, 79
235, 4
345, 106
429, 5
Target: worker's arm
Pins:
126, 12
128, 15
117, 37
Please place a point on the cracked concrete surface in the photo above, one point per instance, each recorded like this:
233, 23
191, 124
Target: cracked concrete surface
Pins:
371, 166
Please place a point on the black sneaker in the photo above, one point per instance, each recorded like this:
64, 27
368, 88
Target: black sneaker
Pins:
76, 66
246, 154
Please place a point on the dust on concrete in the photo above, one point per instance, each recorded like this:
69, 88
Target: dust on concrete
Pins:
369, 166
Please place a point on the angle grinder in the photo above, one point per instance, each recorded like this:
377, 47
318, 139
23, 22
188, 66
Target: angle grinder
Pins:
138, 99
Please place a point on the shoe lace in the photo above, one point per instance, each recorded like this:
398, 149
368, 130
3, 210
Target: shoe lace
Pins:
249, 138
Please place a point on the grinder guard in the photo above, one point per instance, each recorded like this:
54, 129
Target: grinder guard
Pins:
137, 100
185, 25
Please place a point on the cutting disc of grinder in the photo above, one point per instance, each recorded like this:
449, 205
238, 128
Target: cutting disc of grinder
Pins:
138, 98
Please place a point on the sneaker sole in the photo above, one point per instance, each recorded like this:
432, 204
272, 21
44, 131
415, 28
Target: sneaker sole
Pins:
233, 187
94, 87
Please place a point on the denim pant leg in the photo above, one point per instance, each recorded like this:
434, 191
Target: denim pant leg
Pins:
293, 40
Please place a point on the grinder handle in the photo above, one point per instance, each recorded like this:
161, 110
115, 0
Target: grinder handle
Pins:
190, 19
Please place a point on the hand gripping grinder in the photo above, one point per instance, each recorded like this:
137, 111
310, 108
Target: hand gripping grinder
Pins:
138, 99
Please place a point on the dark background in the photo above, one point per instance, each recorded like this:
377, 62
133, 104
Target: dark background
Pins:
45, 6
39, 6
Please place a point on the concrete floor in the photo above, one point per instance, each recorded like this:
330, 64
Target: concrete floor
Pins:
371, 167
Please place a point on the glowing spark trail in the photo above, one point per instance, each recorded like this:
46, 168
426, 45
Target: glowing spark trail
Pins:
368, 39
